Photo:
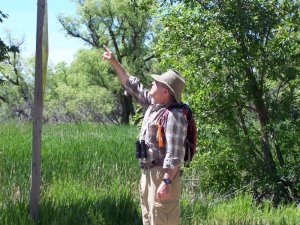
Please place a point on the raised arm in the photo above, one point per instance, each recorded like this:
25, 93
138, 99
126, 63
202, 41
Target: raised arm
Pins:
109, 56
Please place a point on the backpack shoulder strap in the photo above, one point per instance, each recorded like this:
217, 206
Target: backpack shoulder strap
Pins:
164, 117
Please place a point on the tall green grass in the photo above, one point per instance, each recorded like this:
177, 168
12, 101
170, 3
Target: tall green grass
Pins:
238, 210
90, 176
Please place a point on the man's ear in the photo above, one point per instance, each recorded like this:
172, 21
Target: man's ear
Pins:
166, 91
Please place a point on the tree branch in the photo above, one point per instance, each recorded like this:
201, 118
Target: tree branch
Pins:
73, 33
10, 80
93, 33
151, 56
3, 99
202, 4
256, 154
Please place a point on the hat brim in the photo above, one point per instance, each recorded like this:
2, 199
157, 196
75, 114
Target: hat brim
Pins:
158, 78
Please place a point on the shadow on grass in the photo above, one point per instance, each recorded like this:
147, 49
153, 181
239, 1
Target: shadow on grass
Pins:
120, 210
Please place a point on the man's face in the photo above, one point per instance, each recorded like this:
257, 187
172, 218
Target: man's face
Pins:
158, 91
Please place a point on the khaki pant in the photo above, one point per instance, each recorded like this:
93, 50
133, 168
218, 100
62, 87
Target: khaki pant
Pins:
166, 212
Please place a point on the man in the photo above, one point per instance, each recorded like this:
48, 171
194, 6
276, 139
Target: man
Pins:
160, 183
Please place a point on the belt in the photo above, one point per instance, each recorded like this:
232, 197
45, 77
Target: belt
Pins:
150, 165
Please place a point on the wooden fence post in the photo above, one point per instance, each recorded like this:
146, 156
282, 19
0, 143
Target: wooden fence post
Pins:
40, 63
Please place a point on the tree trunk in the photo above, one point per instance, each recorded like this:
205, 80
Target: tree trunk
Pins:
127, 108
257, 95
280, 189
267, 152
254, 151
279, 155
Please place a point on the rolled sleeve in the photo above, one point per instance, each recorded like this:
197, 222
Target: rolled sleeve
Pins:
135, 88
175, 132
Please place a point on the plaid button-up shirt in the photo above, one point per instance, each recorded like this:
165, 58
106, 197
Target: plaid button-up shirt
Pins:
175, 128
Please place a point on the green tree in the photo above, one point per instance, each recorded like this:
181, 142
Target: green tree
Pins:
241, 59
3, 47
73, 95
3, 55
124, 25
16, 76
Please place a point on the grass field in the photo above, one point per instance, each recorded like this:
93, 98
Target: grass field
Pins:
90, 176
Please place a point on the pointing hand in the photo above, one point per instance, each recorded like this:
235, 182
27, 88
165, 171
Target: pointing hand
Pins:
108, 55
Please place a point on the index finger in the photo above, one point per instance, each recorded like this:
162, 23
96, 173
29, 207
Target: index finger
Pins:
106, 48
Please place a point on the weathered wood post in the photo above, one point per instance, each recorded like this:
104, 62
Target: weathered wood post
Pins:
41, 59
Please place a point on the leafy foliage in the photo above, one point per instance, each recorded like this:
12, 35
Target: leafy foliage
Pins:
124, 25
81, 92
232, 54
241, 64
3, 47
16, 85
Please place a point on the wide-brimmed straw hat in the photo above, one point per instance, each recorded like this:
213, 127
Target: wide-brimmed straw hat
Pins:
174, 81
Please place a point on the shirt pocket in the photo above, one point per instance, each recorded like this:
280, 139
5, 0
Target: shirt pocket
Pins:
152, 134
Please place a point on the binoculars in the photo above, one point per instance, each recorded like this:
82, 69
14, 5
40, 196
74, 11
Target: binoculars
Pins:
141, 149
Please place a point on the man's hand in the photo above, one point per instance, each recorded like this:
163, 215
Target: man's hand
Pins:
163, 192
108, 55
